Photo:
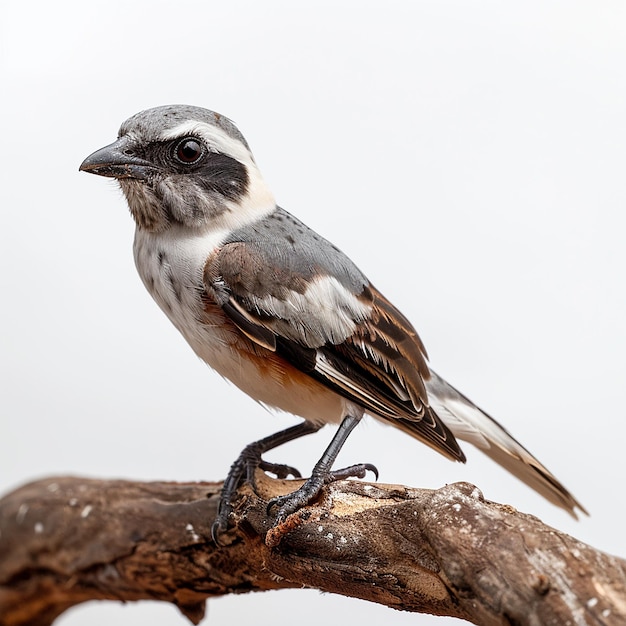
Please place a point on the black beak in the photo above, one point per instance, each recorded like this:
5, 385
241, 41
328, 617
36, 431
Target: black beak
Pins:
117, 160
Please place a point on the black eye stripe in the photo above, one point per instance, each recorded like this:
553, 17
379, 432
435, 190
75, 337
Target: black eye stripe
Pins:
189, 151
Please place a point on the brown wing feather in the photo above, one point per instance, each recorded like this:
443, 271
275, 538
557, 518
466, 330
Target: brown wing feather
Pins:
389, 334
378, 362
388, 349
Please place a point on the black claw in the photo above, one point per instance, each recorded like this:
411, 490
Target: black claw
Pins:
220, 525
271, 504
354, 471
279, 470
216, 530
371, 468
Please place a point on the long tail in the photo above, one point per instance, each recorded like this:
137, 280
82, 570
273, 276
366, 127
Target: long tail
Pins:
471, 424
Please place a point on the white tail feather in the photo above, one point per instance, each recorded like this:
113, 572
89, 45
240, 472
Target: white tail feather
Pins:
473, 425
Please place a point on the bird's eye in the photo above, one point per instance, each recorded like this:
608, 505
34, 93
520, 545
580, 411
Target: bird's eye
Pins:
189, 151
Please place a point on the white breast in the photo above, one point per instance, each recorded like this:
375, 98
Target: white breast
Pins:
171, 266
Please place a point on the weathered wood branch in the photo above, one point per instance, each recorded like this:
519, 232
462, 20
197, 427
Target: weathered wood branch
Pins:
448, 552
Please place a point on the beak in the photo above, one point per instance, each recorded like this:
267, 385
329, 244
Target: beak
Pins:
117, 160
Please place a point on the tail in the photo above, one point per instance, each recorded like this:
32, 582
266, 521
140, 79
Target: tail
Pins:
469, 423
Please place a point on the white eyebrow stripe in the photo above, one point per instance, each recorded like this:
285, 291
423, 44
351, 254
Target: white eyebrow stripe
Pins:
215, 138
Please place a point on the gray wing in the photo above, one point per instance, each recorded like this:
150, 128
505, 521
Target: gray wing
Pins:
292, 292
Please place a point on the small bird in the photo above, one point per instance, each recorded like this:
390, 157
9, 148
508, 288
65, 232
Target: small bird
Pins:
280, 311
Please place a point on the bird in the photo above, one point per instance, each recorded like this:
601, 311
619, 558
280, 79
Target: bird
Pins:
280, 311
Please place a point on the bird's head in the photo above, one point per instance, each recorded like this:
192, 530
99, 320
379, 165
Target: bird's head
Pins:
183, 165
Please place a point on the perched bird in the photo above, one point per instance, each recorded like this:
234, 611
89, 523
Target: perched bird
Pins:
280, 311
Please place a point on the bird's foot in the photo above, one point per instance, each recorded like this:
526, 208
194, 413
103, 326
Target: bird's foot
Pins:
311, 488
243, 471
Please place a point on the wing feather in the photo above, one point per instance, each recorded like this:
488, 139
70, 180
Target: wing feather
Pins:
356, 343
303, 300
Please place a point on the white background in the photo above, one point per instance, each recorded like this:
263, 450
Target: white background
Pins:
469, 156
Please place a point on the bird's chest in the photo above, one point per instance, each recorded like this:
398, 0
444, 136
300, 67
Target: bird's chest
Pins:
171, 266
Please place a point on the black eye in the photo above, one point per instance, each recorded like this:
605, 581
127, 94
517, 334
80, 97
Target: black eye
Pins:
189, 151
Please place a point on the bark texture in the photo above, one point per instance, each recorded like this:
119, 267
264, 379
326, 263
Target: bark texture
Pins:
67, 540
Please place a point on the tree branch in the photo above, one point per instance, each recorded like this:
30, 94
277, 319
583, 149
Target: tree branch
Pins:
448, 552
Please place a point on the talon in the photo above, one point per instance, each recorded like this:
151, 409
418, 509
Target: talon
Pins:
217, 528
354, 471
220, 525
279, 470
272, 503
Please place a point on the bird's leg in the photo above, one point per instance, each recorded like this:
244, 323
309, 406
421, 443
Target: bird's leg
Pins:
244, 467
322, 474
